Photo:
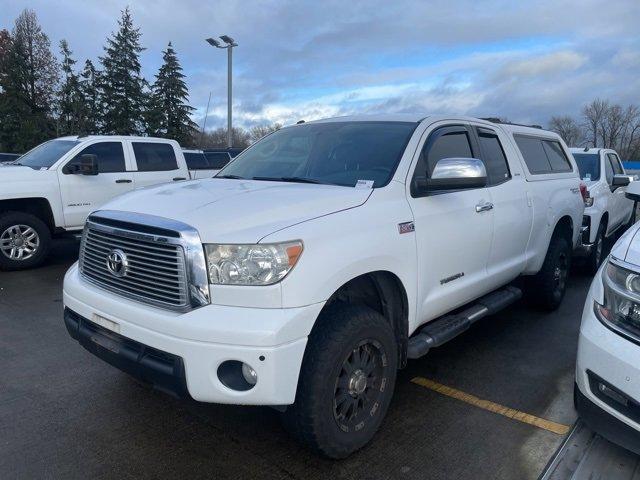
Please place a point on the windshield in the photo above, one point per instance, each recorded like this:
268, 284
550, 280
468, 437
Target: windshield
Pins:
589, 165
338, 153
45, 155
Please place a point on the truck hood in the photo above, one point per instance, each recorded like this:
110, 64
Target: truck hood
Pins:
239, 211
24, 182
17, 172
627, 247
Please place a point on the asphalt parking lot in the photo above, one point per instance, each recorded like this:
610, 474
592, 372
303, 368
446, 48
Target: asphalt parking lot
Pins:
66, 414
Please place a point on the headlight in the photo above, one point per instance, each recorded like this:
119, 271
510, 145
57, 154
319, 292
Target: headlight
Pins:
621, 308
260, 264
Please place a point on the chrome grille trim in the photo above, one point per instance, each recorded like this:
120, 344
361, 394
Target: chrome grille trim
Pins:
164, 270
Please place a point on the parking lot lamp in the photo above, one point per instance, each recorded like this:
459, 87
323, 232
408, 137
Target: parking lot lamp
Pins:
229, 44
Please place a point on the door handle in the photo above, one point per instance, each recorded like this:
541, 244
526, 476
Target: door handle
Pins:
177, 179
484, 207
123, 180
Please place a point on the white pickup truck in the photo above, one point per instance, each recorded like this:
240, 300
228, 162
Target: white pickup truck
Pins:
607, 209
51, 189
317, 262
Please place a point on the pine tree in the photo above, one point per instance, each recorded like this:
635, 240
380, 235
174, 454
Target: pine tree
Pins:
28, 91
90, 91
122, 85
169, 109
71, 110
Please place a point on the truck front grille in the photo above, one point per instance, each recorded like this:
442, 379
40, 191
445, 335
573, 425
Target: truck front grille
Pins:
134, 263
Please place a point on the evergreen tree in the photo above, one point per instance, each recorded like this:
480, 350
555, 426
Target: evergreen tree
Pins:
29, 80
169, 109
122, 85
71, 110
90, 91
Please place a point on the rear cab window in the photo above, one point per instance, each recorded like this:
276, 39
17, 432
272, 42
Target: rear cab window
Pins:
154, 156
542, 155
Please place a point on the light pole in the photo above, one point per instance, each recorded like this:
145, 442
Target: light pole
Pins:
229, 44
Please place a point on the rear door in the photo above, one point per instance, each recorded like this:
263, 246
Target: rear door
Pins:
81, 194
512, 213
156, 162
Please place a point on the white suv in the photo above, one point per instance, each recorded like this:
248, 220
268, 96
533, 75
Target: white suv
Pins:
607, 393
607, 209
318, 261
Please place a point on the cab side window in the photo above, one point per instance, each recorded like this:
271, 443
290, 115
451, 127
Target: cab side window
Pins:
615, 164
154, 157
109, 155
608, 170
217, 160
493, 156
445, 142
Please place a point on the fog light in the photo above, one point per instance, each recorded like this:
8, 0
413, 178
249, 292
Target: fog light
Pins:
237, 375
249, 374
613, 395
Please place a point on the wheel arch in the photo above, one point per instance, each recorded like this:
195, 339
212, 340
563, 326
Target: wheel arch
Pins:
564, 227
38, 206
384, 292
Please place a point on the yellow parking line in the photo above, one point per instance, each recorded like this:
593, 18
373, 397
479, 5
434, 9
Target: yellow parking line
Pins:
523, 417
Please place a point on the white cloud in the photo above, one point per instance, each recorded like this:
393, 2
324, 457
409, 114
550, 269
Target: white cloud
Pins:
525, 60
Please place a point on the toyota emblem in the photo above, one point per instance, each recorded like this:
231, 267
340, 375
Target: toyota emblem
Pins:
117, 263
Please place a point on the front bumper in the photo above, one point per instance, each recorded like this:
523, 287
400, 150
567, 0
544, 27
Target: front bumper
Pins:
271, 341
608, 380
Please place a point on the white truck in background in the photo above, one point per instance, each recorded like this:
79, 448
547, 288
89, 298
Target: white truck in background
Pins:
608, 210
51, 189
311, 268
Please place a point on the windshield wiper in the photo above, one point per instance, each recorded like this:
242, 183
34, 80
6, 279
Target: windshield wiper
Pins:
232, 177
289, 179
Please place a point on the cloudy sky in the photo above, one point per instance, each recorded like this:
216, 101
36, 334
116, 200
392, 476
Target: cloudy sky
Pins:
524, 60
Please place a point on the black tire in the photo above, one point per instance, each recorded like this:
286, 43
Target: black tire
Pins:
39, 231
328, 394
594, 259
547, 287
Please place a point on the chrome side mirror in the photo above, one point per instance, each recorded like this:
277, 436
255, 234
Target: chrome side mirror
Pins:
457, 174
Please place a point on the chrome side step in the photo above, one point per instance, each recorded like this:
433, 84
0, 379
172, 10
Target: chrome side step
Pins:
441, 330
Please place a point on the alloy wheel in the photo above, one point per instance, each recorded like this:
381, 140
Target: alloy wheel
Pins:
19, 242
359, 386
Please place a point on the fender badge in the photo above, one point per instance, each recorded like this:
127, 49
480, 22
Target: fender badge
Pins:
406, 227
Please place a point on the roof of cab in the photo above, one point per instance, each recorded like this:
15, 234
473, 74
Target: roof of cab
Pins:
585, 150
113, 137
407, 117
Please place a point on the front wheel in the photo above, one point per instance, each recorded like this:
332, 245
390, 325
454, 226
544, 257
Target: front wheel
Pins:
346, 381
548, 286
24, 241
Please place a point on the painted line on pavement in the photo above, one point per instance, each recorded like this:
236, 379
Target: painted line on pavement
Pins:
490, 406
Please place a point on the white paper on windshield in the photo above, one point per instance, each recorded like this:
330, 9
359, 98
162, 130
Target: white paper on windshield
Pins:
364, 184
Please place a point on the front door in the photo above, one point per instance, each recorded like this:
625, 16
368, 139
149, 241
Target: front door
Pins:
82, 194
453, 229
